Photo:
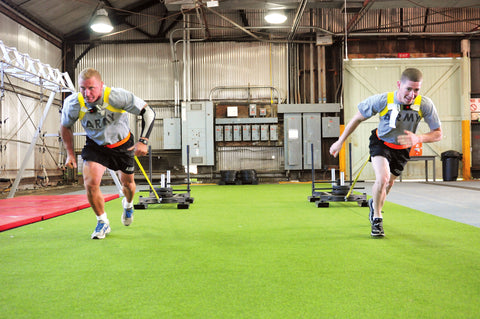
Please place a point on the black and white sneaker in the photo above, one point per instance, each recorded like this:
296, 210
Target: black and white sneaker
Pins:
377, 227
370, 215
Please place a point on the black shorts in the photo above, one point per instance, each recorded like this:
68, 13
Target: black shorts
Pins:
397, 159
117, 159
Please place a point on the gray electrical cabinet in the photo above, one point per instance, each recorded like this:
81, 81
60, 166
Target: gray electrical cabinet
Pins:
330, 126
273, 132
255, 132
172, 137
293, 141
237, 133
264, 130
304, 126
246, 133
218, 133
228, 134
197, 132
312, 134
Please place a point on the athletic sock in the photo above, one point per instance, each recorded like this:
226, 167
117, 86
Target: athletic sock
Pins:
103, 218
126, 204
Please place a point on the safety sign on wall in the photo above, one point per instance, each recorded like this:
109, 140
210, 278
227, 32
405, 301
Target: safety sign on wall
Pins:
475, 109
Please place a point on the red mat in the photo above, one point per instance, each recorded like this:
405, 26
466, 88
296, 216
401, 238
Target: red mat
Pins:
23, 210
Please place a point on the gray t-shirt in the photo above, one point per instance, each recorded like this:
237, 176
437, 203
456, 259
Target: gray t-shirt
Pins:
105, 123
399, 117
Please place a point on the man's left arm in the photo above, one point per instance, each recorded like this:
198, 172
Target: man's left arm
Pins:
148, 119
410, 139
432, 119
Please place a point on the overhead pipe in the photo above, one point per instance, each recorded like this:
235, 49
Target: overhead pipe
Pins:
176, 72
297, 19
248, 87
312, 76
176, 61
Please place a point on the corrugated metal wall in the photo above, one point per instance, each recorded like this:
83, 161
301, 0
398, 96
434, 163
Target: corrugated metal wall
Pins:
238, 65
145, 69
21, 108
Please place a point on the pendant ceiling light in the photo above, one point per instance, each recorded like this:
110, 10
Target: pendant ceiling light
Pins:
275, 17
101, 23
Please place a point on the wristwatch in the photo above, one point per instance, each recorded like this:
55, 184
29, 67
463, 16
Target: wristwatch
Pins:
144, 141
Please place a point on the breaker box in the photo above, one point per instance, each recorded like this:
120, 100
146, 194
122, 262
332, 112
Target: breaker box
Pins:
172, 137
273, 132
218, 133
264, 130
246, 133
228, 133
301, 130
255, 132
312, 134
237, 133
293, 141
330, 126
197, 132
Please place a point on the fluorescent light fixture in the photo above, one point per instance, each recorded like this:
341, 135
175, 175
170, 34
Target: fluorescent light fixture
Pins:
275, 17
212, 4
101, 23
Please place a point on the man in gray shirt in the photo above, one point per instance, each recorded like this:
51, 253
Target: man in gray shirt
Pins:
399, 113
103, 113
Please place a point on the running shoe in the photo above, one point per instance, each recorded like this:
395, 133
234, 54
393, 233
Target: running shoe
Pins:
127, 216
101, 230
370, 215
377, 227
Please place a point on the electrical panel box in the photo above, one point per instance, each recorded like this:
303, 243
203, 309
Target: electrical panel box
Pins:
330, 126
273, 133
264, 130
293, 140
228, 133
237, 133
172, 136
252, 110
218, 133
197, 133
255, 132
312, 129
246, 133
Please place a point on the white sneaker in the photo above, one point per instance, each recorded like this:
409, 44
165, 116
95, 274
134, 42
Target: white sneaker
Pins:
101, 230
127, 216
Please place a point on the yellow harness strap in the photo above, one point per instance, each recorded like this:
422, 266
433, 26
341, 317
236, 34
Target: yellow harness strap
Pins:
106, 94
390, 101
416, 103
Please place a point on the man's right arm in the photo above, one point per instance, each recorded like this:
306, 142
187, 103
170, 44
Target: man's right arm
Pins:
67, 138
351, 126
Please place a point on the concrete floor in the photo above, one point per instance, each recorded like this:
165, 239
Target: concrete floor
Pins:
458, 201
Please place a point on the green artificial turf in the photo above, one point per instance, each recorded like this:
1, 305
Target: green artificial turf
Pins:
242, 251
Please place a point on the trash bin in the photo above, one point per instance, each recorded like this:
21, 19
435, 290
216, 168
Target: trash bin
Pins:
450, 160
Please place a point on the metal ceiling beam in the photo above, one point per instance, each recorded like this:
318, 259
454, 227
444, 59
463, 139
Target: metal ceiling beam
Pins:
243, 16
235, 24
425, 20
23, 18
367, 4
